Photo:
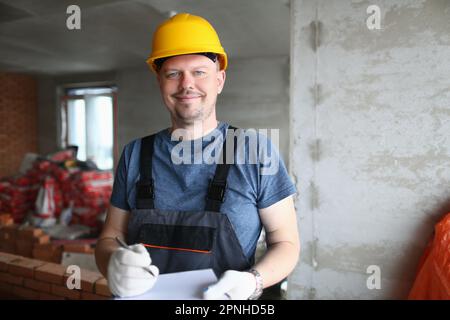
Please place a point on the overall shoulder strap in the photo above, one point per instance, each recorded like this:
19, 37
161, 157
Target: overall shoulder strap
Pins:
144, 187
218, 185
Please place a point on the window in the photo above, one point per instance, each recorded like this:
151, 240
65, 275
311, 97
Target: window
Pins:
88, 123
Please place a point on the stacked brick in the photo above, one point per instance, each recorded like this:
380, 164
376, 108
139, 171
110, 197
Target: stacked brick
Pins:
21, 241
48, 252
78, 247
6, 220
34, 243
52, 252
25, 278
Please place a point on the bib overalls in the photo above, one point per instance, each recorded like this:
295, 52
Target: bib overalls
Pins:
185, 240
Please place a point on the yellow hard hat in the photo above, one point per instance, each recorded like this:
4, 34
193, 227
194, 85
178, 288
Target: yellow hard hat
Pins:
184, 34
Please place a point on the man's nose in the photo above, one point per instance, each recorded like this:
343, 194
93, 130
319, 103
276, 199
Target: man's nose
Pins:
186, 81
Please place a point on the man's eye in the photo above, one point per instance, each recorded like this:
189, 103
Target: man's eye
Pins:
199, 73
172, 75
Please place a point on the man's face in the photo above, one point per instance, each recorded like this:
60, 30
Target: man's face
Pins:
189, 86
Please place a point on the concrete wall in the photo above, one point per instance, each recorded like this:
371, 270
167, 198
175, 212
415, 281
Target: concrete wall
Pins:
141, 110
256, 95
370, 142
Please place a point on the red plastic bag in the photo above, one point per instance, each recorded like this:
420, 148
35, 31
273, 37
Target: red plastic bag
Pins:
433, 279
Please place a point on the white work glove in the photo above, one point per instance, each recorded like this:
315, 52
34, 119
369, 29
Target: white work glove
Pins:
128, 271
235, 285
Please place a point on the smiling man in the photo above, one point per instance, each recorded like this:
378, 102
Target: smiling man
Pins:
179, 217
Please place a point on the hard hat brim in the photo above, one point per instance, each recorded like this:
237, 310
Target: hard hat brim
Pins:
178, 52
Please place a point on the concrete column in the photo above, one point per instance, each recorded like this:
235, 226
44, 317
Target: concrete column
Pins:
370, 142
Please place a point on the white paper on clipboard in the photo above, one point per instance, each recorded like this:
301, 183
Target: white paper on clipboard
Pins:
187, 285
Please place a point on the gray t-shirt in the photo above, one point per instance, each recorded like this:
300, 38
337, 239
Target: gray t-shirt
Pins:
184, 186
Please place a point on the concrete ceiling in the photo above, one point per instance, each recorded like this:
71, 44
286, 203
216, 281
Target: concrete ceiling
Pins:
117, 34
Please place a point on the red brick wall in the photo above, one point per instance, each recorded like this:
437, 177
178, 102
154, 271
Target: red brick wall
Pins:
25, 278
30, 267
18, 120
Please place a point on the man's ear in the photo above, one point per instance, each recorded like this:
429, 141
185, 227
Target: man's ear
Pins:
221, 76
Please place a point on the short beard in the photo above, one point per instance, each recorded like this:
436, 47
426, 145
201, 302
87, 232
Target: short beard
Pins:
198, 116
191, 119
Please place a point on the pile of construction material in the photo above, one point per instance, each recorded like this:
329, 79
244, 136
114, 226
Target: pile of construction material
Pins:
53, 184
31, 242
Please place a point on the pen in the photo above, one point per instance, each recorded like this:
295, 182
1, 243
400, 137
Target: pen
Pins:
124, 245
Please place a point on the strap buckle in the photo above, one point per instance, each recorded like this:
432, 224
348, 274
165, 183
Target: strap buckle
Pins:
145, 190
216, 190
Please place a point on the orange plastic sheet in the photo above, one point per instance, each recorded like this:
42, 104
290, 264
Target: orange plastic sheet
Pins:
433, 278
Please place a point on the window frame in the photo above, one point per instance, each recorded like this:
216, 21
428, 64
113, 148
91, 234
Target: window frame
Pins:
63, 137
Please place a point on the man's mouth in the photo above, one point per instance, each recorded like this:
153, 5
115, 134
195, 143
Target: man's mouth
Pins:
187, 98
